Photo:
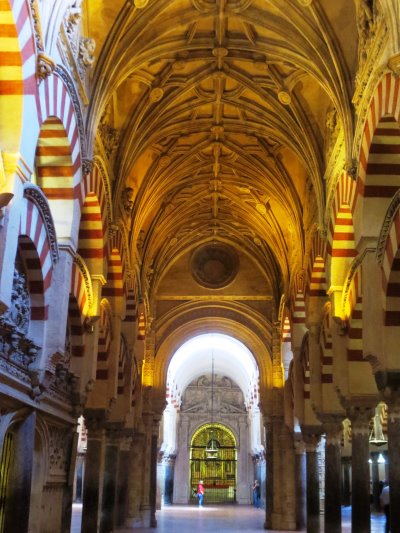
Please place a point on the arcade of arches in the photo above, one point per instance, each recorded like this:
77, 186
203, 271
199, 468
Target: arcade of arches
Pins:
199, 259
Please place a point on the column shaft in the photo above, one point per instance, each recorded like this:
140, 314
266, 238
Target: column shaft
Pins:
109, 489
269, 498
360, 516
93, 482
122, 488
153, 482
313, 510
333, 514
301, 486
394, 469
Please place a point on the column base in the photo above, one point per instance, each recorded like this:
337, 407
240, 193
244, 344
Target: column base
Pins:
143, 520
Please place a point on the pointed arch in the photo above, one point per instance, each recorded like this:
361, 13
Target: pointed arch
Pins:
58, 155
105, 337
316, 272
341, 243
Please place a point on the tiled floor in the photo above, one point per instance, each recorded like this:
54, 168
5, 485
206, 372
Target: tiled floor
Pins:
221, 519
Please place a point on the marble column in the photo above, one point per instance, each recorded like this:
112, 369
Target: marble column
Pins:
108, 504
135, 481
346, 494
93, 482
123, 478
153, 478
394, 461
333, 482
20, 477
301, 486
269, 498
360, 498
376, 490
313, 509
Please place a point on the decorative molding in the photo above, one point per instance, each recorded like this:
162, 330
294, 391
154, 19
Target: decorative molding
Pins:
87, 166
356, 263
80, 263
107, 188
37, 28
386, 226
394, 65
35, 195
64, 75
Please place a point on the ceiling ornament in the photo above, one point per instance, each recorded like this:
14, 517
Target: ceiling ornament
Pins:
284, 97
156, 94
214, 265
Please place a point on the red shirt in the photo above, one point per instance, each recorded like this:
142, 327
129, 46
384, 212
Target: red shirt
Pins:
200, 489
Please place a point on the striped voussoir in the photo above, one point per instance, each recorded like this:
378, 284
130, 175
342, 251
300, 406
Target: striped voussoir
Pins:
115, 286
326, 350
341, 231
94, 222
305, 362
141, 326
355, 345
379, 168
17, 49
316, 268
298, 299
122, 361
105, 335
131, 313
58, 156
391, 274
78, 311
286, 332
35, 249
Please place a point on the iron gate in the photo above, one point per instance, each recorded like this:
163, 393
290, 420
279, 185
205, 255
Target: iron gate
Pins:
213, 460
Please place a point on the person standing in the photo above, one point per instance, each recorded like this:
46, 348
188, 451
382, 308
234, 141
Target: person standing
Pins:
256, 494
385, 502
200, 493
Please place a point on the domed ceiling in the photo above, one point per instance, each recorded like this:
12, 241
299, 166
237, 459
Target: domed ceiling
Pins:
221, 115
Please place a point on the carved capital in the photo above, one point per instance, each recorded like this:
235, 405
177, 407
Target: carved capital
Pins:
360, 417
394, 65
311, 437
45, 66
87, 166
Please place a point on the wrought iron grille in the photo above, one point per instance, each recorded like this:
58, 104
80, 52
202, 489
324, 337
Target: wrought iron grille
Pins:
213, 460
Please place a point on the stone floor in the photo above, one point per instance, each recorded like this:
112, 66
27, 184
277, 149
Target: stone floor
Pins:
223, 519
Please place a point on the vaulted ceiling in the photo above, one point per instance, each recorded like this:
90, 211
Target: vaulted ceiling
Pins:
221, 111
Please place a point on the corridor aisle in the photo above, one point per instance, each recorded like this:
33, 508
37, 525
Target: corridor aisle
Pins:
222, 519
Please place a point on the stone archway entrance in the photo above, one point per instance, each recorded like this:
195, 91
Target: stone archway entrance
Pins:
213, 459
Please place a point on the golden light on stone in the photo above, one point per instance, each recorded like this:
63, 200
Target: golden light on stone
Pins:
261, 209
140, 4
156, 94
164, 161
305, 3
178, 65
284, 97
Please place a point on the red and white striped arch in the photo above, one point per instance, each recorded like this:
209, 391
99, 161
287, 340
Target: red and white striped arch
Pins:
379, 168
123, 359
298, 299
17, 69
80, 302
35, 245
341, 243
17, 48
316, 273
326, 349
58, 156
305, 365
354, 310
105, 337
115, 288
391, 273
